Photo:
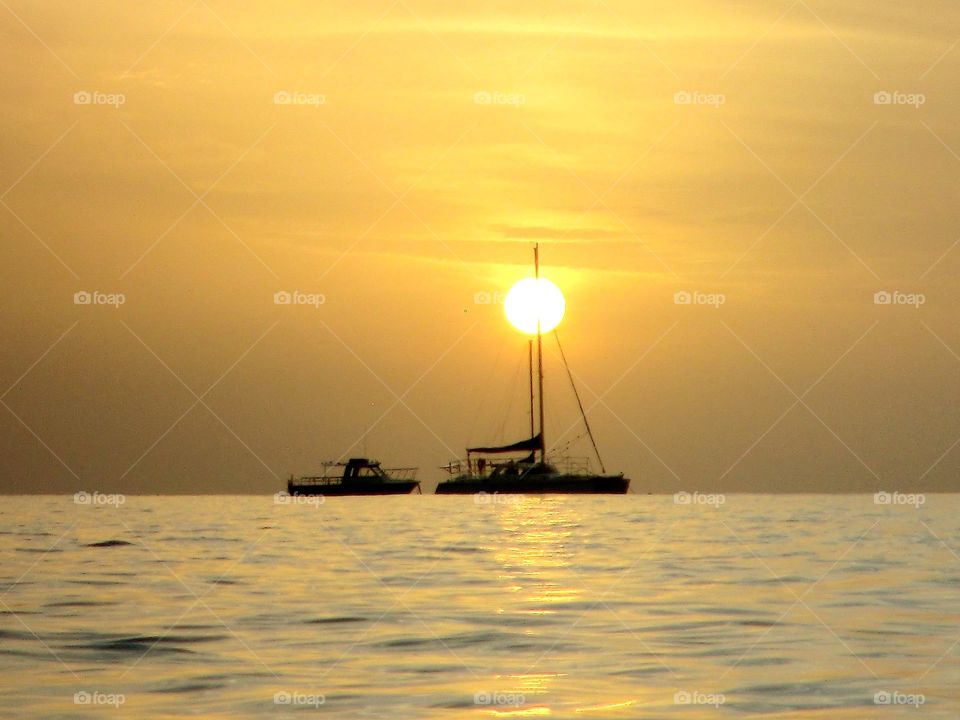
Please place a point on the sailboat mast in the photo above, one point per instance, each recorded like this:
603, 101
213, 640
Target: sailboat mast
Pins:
530, 367
536, 271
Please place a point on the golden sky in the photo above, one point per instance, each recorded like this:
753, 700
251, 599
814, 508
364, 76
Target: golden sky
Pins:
399, 159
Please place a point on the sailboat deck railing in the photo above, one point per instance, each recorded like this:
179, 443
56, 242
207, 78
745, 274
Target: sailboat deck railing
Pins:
481, 466
571, 465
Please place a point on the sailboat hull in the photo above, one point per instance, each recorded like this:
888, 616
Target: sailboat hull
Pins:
538, 485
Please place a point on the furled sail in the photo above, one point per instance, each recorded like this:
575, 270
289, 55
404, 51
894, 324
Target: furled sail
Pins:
530, 444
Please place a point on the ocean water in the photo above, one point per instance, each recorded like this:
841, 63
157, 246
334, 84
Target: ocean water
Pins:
461, 607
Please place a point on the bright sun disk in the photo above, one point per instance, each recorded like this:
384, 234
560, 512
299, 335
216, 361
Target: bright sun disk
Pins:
531, 299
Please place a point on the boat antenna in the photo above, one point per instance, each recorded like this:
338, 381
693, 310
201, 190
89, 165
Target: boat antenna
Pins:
583, 414
536, 271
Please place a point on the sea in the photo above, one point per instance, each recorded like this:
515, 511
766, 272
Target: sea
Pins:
488, 606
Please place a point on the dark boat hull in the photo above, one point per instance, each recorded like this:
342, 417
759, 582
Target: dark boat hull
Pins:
538, 485
355, 488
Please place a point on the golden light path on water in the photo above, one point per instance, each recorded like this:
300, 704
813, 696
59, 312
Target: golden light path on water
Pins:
806, 607
532, 562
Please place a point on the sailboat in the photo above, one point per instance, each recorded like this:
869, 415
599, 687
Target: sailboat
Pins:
533, 473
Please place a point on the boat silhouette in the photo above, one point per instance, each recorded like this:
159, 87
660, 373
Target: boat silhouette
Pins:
480, 473
360, 476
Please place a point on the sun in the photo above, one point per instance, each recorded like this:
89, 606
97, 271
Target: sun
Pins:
534, 299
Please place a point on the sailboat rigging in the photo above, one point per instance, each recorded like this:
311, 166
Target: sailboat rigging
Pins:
529, 474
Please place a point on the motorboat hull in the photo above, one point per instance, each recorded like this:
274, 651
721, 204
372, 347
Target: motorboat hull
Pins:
355, 488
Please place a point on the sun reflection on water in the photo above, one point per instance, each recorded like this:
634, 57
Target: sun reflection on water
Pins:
537, 563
